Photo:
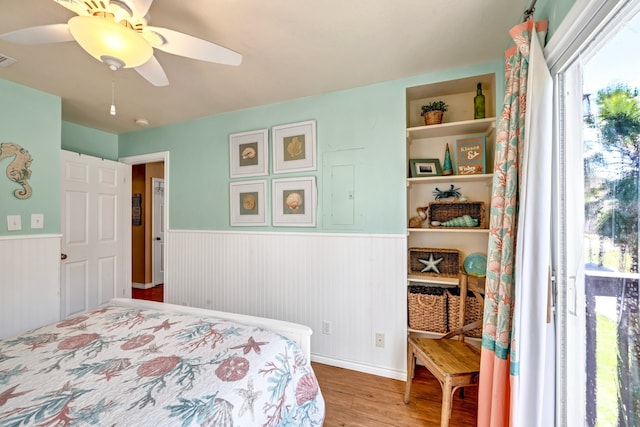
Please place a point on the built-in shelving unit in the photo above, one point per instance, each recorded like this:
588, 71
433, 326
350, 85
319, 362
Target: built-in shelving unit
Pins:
429, 142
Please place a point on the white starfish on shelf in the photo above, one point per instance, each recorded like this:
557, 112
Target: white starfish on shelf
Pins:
430, 264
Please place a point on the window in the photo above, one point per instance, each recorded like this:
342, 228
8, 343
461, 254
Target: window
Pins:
598, 113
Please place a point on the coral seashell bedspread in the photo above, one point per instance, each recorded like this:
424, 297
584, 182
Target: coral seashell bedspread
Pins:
123, 366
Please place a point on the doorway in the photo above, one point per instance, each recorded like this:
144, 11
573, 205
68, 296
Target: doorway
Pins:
148, 225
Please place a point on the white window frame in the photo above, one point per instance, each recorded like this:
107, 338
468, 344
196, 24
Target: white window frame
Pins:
580, 31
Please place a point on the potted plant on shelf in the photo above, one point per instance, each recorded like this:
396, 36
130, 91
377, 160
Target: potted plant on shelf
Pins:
433, 112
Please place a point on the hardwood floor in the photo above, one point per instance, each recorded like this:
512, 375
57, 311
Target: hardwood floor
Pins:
152, 294
355, 399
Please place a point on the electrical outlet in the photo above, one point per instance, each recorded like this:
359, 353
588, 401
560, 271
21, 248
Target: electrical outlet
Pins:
37, 221
326, 327
380, 339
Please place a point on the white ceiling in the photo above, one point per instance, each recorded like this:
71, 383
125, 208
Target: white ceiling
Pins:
290, 48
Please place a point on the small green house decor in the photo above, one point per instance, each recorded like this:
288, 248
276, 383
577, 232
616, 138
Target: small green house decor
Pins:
433, 112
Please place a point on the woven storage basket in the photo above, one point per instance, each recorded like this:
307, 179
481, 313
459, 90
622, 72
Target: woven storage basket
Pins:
473, 312
448, 267
433, 117
427, 308
446, 211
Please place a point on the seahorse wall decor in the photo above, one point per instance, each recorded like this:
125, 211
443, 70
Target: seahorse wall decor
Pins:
18, 170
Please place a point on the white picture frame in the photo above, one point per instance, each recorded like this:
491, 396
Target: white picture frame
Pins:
294, 147
248, 153
294, 202
248, 203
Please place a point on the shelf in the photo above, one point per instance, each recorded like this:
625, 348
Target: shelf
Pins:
452, 87
447, 281
449, 178
485, 126
447, 230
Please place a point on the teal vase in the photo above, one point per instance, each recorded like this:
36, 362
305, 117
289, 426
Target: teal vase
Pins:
447, 168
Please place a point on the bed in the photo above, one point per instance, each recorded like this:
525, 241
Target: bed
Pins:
142, 363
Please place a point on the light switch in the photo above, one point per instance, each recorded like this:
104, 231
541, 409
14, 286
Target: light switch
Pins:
37, 220
14, 222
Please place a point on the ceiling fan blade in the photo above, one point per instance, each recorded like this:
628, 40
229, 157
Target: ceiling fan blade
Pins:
54, 33
193, 47
140, 8
152, 71
77, 6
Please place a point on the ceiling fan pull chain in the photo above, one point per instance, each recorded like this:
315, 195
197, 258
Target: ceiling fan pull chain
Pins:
112, 111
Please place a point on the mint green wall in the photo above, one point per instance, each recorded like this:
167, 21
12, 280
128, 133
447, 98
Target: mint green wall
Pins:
81, 139
350, 131
31, 119
364, 127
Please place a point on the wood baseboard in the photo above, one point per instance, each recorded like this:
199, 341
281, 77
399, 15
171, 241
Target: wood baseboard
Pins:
360, 367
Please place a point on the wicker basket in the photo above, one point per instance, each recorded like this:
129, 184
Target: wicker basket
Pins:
473, 312
446, 211
449, 266
433, 117
427, 308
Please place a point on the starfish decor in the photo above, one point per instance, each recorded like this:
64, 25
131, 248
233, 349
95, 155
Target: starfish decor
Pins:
430, 264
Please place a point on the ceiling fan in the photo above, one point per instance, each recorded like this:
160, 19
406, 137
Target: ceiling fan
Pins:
117, 33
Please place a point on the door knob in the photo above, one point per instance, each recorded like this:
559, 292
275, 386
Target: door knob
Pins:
158, 238
63, 256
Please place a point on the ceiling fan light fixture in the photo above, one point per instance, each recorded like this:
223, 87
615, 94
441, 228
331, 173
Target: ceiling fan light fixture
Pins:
106, 38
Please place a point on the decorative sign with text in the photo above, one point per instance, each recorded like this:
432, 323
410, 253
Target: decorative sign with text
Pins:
471, 155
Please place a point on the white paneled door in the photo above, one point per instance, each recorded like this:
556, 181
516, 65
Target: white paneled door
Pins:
96, 232
158, 225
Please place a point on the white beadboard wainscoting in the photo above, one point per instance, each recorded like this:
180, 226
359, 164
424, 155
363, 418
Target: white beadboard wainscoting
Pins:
355, 283
29, 282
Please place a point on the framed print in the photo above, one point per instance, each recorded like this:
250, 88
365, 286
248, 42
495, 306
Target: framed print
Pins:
136, 209
294, 202
425, 167
294, 147
248, 203
471, 155
248, 154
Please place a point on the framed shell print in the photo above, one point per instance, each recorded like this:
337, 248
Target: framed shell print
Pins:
294, 202
294, 147
248, 155
248, 206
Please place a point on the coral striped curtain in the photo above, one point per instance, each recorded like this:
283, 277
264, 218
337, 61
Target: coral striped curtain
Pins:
516, 371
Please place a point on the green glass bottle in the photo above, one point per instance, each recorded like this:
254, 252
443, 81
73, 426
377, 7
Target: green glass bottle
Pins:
478, 103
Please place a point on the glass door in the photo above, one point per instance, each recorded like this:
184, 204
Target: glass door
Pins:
599, 203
